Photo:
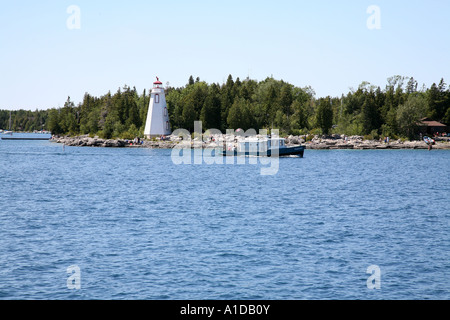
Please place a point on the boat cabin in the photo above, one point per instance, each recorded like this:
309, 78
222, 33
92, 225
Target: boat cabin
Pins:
260, 145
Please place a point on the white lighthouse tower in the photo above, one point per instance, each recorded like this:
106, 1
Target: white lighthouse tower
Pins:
158, 116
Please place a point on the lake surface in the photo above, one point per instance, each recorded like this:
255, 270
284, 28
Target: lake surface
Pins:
140, 227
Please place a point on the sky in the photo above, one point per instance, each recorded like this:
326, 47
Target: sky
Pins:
50, 50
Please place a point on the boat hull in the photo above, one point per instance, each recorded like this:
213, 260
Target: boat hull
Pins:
25, 139
282, 152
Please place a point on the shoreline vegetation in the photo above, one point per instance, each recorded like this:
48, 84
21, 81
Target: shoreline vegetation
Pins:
330, 142
395, 110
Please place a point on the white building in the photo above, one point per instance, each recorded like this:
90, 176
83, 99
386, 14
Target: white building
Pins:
158, 116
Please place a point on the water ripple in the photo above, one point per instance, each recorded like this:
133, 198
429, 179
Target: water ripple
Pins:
140, 227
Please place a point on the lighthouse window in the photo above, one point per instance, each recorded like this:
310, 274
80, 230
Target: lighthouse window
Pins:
165, 112
156, 98
167, 125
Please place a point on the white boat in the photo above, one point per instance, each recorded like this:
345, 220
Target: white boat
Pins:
428, 140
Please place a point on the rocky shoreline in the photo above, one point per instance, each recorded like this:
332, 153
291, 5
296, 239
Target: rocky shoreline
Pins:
333, 142
86, 141
359, 143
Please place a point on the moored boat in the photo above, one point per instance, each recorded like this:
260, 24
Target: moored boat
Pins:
428, 140
264, 147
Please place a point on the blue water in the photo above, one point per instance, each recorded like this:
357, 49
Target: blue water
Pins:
140, 227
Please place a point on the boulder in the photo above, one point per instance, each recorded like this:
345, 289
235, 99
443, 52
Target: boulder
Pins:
336, 136
114, 143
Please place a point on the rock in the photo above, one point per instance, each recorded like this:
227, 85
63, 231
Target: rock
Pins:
336, 136
318, 146
108, 144
114, 143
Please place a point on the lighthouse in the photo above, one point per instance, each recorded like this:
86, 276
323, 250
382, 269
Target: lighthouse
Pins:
158, 116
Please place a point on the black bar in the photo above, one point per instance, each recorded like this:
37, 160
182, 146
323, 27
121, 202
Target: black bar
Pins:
264, 309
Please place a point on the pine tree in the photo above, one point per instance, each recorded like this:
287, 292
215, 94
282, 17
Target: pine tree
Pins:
299, 118
189, 115
369, 114
433, 101
53, 122
286, 99
324, 117
191, 81
411, 86
235, 116
211, 113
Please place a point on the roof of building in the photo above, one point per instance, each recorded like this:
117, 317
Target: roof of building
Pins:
431, 123
157, 81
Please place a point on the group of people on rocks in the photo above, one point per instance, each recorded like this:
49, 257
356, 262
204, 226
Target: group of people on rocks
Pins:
136, 142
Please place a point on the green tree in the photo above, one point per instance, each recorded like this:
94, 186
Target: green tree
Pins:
211, 111
108, 128
286, 99
409, 114
369, 114
438, 100
53, 122
67, 118
191, 81
299, 118
324, 116
411, 87
189, 115
92, 123
281, 121
446, 119
240, 115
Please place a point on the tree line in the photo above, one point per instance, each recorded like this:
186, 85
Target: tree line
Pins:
368, 110
23, 120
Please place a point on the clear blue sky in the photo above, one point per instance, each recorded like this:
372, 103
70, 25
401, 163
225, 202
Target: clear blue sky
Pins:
322, 44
